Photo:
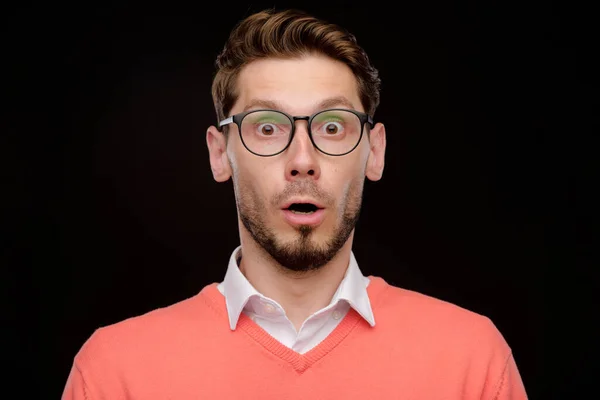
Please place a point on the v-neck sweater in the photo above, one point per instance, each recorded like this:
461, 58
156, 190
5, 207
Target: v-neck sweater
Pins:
420, 348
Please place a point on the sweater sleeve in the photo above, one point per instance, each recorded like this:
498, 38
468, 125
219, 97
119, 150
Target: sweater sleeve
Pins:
503, 380
75, 388
510, 385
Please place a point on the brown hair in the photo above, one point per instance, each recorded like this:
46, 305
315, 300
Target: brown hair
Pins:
289, 33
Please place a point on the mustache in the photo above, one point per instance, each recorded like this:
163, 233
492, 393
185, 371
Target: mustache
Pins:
303, 188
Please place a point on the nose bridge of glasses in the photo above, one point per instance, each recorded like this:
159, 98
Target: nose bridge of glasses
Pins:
300, 118
296, 125
303, 136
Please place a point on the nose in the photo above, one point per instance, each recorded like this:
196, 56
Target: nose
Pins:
302, 156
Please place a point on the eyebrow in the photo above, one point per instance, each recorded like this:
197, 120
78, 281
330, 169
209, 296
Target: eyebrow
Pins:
327, 103
336, 101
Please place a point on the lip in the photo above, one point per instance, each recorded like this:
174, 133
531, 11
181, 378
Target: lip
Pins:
312, 219
287, 204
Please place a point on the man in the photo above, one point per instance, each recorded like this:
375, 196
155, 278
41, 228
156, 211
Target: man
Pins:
294, 318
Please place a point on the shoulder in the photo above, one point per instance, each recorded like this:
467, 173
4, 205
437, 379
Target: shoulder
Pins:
156, 331
445, 339
436, 320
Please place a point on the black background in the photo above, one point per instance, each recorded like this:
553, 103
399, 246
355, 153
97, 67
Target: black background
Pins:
486, 201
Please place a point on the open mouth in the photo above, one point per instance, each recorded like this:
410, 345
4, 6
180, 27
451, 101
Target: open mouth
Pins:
303, 208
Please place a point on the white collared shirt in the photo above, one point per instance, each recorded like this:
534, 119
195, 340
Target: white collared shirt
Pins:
241, 296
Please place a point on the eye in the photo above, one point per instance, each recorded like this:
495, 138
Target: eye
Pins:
333, 128
267, 129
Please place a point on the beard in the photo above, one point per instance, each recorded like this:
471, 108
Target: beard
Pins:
303, 253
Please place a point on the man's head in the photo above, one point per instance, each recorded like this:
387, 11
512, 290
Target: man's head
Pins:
298, 197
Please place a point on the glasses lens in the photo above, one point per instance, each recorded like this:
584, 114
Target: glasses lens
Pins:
336, 131
266, 132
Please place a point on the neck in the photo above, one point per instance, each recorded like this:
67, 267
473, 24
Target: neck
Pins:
301, 294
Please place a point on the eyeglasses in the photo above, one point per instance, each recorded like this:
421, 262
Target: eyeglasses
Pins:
335, 132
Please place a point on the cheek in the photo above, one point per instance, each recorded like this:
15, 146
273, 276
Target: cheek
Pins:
256, 179
349, 187
341, 176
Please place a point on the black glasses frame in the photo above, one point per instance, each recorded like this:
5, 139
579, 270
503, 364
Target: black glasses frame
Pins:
238, 118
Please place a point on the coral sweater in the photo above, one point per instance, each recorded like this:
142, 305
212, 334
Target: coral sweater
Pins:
420, 348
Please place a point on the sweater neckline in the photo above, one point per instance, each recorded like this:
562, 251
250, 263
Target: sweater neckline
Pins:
300, 362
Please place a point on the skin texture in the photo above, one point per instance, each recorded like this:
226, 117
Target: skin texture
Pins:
299, 266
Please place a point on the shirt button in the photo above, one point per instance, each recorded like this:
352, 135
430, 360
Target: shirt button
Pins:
337, 314
269, 308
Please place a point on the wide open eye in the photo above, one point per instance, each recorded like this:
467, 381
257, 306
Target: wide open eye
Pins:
332, 128
266, 129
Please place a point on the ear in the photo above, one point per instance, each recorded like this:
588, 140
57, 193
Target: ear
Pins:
376, 160
217, 151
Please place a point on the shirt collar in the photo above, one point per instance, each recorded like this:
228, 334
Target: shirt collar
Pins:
238, 290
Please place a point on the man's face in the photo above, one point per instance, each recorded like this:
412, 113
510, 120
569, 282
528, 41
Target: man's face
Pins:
266, 186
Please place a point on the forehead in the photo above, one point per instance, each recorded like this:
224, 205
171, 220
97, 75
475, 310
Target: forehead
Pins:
298, 85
